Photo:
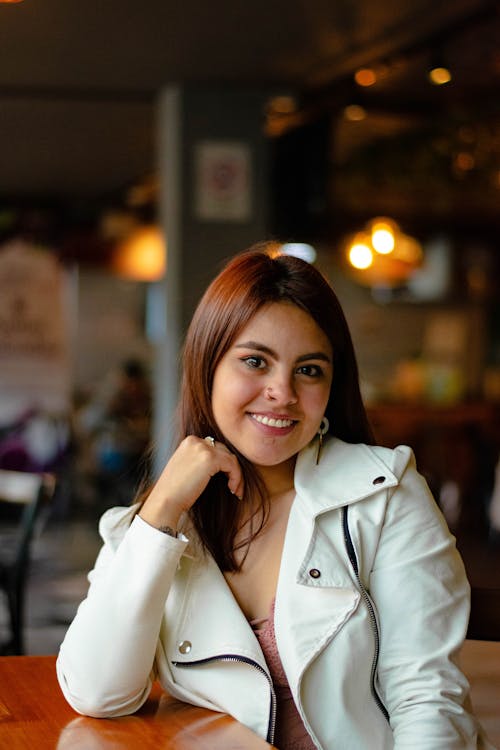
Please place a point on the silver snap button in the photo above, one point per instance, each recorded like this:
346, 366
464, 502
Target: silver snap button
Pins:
315, 573
378, 480
185, 647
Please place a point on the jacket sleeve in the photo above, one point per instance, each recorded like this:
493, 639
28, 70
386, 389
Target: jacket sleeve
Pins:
106, 660
421, 594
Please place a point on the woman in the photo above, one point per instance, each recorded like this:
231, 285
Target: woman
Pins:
314, 591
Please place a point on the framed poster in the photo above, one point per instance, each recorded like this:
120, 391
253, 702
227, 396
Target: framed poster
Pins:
222, 181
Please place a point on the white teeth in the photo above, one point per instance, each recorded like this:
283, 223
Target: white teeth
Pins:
272, 422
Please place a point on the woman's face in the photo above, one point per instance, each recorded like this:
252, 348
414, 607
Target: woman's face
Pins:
271, 388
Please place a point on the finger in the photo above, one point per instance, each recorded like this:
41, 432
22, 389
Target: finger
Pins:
188, 472
229, 465
236, 485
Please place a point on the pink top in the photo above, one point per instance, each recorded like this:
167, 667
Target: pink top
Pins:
290, 733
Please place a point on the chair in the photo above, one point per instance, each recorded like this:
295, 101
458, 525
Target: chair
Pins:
22, 498
484, 622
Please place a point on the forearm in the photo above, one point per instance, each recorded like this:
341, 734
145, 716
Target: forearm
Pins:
107, 655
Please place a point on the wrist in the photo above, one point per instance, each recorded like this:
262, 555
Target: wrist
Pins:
161, 518
169, 531
164, 528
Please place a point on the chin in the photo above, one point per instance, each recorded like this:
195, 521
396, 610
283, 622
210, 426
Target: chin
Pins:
269, 460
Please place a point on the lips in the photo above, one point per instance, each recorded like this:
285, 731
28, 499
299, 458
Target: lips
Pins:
279, 422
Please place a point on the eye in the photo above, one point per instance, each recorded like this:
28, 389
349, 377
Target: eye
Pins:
255, 362
311, 371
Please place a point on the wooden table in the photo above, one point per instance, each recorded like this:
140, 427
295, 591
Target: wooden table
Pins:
35, 716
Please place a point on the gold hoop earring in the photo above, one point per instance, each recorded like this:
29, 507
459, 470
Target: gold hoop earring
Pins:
323, 429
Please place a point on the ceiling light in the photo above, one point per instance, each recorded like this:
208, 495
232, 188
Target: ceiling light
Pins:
360, 256
439, 75
142, 255
365, 77
439, 72
383, 237
354, 113
382, 255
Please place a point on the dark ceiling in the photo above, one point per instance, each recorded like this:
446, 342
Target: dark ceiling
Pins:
78, 80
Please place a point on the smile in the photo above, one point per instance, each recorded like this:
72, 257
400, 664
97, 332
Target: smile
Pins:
271, 422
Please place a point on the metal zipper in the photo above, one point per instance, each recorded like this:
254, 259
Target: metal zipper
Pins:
245, 660
371, 610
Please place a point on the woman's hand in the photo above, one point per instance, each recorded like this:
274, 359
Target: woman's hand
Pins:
184, 478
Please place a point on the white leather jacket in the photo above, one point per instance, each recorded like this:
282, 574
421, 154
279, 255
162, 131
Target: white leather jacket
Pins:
371, 657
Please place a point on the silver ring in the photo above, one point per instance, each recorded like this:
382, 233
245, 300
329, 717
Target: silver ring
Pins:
210, 440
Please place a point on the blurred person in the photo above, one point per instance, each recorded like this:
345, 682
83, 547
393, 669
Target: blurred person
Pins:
35, 441
283, 569
117, 420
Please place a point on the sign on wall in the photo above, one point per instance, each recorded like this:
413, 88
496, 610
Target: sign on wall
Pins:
222, 181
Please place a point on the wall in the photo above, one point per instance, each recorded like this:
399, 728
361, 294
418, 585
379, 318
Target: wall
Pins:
109, 327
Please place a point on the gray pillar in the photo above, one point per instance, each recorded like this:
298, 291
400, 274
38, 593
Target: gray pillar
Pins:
213, 167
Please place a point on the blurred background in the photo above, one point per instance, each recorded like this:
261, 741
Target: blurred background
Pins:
143, 145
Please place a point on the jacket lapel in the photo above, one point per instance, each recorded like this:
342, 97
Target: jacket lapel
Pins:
315, 595
346, 474
317, 592
210, 619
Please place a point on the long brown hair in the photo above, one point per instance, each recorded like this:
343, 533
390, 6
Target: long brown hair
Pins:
249, 281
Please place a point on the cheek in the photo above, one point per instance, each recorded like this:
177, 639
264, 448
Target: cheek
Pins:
240, 391
316, 402
232, 390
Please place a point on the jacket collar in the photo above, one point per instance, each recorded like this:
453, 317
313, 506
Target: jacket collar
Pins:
345, 474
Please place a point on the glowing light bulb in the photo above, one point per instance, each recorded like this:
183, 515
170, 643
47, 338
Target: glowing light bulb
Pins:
383, 239
360, 256
439, 75
365, 77
142, 256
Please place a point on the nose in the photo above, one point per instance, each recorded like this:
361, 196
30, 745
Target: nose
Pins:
281, 390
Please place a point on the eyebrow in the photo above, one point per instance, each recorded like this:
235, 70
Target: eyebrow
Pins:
266, 350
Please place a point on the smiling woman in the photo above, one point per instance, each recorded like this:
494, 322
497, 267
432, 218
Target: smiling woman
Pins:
295, 302
265, 573
271, 388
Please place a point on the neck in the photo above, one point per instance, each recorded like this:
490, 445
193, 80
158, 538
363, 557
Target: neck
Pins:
278, 479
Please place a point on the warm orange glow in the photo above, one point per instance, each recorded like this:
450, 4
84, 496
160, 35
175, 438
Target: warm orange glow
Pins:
282, 105
409, 250
360, 256
383, 237
354, 113
365, 77
281, 112
142, 256
439, 76
382, 254
11, 1
464, 161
